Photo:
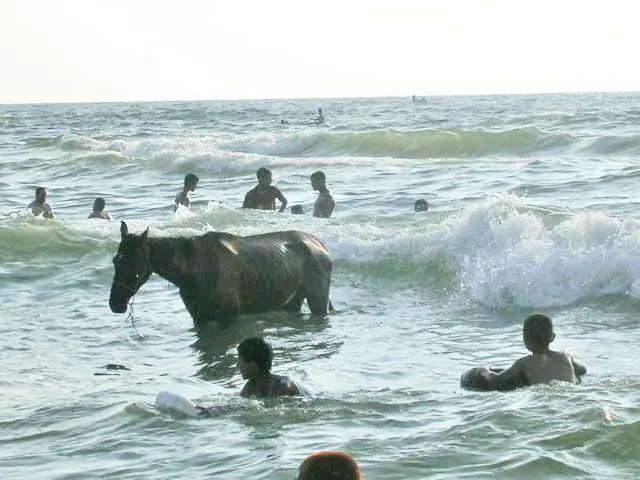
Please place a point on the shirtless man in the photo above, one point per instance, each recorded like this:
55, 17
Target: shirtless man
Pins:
320, 119
543, 365
40, 206
190, 183
324, 203
255, 357
98, 210
263, 196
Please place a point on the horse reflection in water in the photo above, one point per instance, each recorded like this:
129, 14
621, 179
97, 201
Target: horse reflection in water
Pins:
216, 344
221, 275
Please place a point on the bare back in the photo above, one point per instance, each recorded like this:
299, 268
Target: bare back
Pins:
324, 205
542, 368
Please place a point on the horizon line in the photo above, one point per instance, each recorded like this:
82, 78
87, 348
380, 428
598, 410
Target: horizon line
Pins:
346, 97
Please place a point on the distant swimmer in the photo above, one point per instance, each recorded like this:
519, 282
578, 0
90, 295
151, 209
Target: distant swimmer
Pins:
284, 122
40, 206
421, 205
543, 365
98, 210
190, 183
325, 203
329, 465
263, 196
297, 210
320, 119
255, 358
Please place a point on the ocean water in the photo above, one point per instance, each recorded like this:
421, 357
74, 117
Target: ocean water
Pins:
533, 208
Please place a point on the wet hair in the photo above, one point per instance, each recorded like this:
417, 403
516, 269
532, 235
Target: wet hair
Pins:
257, 350
40, 191
319, 175
191, 178
537, 331
98, 205
421, 205
329, 465
263, 173
297, 209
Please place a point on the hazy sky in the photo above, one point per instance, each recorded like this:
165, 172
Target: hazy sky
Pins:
126, 50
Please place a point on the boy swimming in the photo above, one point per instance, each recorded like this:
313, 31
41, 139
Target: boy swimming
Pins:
543, 365
255, 357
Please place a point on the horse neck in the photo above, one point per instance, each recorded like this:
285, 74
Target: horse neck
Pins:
162, 254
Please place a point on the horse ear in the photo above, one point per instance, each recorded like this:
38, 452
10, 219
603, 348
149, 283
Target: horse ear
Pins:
145, 234
123, 230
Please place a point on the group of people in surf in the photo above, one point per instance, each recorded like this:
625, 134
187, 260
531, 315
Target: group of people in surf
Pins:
542, 366
264, 195
255, 359
40, 206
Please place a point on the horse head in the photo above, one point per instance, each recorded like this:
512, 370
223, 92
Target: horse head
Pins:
132, 268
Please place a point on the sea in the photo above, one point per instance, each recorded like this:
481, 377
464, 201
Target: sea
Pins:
533, 208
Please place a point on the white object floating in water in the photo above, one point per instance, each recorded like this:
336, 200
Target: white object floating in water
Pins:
173, 401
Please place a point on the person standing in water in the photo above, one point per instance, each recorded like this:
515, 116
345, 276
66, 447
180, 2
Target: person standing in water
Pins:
40, 206
320, 119
323, 208
190, 183
263, 196
98, 210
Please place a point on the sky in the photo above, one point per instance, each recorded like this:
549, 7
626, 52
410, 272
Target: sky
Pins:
140, 50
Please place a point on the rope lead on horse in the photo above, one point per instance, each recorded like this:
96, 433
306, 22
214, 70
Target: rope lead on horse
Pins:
130, 316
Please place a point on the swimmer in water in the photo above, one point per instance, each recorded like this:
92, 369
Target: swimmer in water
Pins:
543, 365
40, 206
421, 205
325, 203
255, 357
329, 465
190, 183
263, 196
98, 210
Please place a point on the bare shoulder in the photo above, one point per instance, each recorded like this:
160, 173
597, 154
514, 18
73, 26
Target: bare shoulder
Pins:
286, 386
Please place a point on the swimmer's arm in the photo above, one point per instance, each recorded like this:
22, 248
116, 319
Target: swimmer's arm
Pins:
282, 199
290, 388
247, 390
513, 377
248, 201
332, 204
578, 368
47, 212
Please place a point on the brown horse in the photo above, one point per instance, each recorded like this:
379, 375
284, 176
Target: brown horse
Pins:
221, 275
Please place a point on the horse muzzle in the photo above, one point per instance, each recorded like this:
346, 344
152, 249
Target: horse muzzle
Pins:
117, 307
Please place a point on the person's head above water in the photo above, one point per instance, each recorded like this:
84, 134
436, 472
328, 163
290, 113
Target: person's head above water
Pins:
264, 176
421, 205
255, 357
98, 205
329, 465
318, 180
41, 194
297, 209
537, 333
191, 181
